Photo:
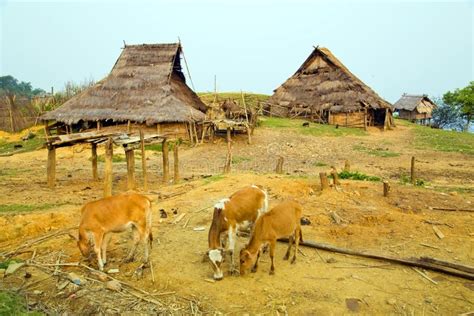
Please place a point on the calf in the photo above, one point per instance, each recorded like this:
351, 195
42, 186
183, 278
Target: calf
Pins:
242, 208
114, 215
281, 221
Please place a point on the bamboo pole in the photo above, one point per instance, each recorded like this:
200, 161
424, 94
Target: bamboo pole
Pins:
176, 162
142, 147
130, 157
412, 170
166, 164
95, 175
51, 166
324, 181
109, 152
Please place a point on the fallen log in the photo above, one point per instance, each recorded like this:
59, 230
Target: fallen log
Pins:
423, 262
449, 209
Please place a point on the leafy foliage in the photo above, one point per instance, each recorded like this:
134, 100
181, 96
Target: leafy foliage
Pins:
464, 99
11, 86
447, 116
356, 175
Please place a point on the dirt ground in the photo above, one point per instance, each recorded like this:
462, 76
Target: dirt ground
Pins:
321, 282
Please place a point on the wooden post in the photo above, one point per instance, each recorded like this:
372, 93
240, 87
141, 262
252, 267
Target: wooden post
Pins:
176, 163
166, 164
365, 120
129, 126
279, 165
324, 181
95, 176
130, 157
412, 171
335, 177
109, 152
51, 166
386, 188
98, 125
142, 147
249, 134
347, 166
228, 161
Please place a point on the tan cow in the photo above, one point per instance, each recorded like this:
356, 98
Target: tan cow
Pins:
241, 209
114, 215
281, 221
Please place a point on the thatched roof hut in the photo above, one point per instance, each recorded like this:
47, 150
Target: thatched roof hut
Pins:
415, 107
324, 90
16, 113
146, 86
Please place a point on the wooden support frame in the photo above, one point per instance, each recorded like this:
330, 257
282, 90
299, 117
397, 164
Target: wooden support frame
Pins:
166, 164
95, 175
109, 152
51, 166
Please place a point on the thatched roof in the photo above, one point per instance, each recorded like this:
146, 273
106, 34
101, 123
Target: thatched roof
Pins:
146, 84
324, 83
420, 103
16, 113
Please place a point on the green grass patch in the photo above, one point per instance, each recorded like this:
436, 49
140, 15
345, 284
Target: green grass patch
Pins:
23, 208
13, 304
214, 178
378, 152
158, 147
356, 175
239, 159
314, 129
406, 179
28, 145
441, 140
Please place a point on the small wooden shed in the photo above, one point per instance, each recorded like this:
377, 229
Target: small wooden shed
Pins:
416, 108
325, 91
146, 87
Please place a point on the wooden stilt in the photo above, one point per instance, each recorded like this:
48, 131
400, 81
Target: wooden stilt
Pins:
176, 163
166, 164
130, 157
98, 126
324, 181
279, 165
129, 126
95, 176
142, 147
51, 166
386, 188
228, 161
412, 171
109, 152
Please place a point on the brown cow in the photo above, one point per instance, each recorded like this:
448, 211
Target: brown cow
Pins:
242, 208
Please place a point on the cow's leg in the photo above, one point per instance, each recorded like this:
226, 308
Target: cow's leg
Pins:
291, 240
136, 240
105, 243
297, 243
272, 254
98, 239
231, 247
255, 266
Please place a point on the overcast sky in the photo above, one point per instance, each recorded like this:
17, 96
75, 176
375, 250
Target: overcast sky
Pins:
394, 46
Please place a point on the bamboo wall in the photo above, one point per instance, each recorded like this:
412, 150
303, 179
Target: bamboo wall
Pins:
353, 119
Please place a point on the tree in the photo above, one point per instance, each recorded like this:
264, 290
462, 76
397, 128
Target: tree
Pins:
446, 116
464, 99
10, 86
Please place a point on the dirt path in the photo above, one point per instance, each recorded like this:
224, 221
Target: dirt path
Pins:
320, 282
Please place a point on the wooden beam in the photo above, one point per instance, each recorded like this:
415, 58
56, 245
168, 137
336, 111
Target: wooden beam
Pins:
166, 164
176, 162
95, 176
130, 157
51, 166
142, 147
109, 152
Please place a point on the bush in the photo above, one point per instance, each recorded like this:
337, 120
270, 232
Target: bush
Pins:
356, 175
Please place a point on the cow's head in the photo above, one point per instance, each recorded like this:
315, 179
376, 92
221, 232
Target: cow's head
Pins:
247, 260
216, 257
